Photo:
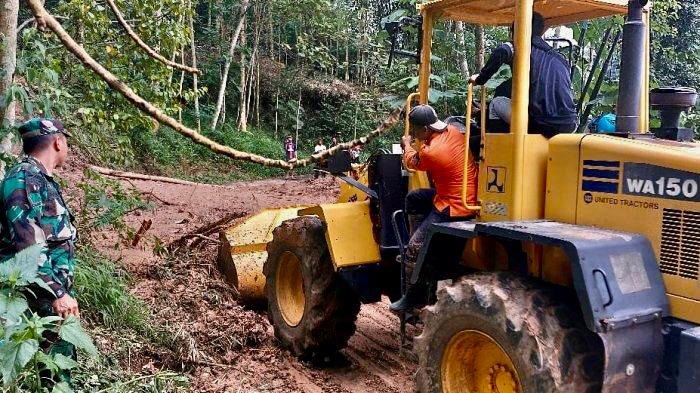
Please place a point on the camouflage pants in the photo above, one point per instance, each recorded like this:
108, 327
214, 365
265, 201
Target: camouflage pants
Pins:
51, 344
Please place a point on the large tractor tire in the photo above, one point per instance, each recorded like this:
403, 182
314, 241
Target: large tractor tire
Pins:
312, 309
499, 333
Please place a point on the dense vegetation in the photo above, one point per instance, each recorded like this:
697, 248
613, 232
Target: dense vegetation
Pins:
311, 67
307, 68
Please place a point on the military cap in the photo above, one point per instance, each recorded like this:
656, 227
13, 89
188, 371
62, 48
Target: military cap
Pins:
41, 126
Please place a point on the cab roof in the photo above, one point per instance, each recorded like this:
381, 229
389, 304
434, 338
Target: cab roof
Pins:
502, 12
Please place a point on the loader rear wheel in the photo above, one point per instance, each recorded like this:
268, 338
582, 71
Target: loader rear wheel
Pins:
500, 333
312, 309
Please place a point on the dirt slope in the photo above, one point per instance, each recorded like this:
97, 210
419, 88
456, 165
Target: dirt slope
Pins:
221, 345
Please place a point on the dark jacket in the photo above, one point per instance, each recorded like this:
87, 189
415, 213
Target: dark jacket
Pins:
551, 109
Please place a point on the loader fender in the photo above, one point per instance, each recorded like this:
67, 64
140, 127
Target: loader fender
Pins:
349, 232
616, 279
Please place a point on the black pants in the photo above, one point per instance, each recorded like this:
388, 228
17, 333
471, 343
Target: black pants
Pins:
419, 206
419, 203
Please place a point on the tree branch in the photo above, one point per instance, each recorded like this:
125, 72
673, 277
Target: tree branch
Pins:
144, 46
389, 122
45, 20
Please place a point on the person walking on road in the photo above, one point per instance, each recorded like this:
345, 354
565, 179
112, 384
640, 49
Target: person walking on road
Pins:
35, 213
320, 147
290, 149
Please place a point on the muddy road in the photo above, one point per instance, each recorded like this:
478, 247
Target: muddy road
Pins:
221, 345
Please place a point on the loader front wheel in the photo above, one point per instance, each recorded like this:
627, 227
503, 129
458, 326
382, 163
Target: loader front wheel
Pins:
312, 309
499, 333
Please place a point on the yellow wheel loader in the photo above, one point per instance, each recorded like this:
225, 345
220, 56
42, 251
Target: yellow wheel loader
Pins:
580, 272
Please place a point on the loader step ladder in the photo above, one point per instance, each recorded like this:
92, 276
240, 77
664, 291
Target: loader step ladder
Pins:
398, 222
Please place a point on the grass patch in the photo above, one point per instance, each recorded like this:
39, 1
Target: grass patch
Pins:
103, 296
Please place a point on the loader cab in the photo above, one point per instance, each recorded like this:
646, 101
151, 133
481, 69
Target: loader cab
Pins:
512, 165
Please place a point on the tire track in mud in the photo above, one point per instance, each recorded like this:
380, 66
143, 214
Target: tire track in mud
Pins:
375, 362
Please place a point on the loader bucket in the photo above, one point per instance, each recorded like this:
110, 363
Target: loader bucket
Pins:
243, 252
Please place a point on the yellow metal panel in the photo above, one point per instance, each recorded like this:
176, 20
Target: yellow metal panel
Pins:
497, 174
639, 214
418, 180
562, 178
349, 233
686, 309
350, 193
683, 287
496, 178
534, 177
556, 267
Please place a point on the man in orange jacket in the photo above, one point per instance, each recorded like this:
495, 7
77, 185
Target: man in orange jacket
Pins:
442, 157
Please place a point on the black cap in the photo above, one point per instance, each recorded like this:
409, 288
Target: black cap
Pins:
425, 116
40, 126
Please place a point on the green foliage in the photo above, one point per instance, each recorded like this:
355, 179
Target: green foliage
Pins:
102, 291
21, 360
105, 203
168, 153
304, 47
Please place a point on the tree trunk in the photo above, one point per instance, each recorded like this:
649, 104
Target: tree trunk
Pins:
195, 77
347, 56
271, 32
243, 114
257, 96
8, 55
227, 65
463, 63
277, 111
480, 48
181, 85
296, 138
253, 63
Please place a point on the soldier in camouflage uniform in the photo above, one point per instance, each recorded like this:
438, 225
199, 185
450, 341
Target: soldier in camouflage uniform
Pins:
34, 212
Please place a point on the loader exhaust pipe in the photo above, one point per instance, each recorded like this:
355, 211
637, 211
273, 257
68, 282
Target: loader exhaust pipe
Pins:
631, 69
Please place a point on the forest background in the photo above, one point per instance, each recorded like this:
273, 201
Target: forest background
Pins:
309, 68
269, 68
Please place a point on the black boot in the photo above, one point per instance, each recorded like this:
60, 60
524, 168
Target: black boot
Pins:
415, 297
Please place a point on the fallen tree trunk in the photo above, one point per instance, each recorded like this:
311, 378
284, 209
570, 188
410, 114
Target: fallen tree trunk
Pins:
389, 122
46, 20
139, 176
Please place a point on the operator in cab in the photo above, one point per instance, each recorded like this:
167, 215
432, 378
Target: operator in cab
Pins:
441, 155
551, 110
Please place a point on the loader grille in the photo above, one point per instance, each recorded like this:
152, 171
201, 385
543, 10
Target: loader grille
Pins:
680, 243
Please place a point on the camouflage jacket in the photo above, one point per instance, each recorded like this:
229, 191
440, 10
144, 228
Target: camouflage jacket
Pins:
34, 212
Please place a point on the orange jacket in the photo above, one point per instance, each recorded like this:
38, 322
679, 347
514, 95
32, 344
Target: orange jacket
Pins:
442, 156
